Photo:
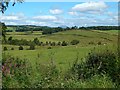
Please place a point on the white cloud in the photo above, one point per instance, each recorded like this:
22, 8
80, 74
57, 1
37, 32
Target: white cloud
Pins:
6, 18
56, 11
45, 18
90, 7
73, 13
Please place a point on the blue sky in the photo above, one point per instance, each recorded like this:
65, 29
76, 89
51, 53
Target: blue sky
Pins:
62, 14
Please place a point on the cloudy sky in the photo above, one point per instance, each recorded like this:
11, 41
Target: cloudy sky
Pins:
92, 13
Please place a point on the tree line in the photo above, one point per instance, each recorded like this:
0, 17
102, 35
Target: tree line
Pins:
50, 30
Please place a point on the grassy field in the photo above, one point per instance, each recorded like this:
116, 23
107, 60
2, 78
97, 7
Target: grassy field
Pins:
64, 56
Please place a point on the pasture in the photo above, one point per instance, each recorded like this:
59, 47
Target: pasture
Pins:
63, 57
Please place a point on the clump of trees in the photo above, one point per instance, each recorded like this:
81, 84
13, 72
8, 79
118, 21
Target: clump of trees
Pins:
64, 43
36, 41
20, 47
32, 46
74, 42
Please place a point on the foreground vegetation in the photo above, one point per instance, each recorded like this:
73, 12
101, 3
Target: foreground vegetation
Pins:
96, 71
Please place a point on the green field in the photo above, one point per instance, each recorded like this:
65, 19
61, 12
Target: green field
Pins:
64, 56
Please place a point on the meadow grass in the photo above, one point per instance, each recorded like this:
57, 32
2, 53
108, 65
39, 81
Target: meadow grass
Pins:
64, 56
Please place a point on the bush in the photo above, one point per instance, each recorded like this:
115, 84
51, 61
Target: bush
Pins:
20, 47
36, 41
99, 43
5, 48
32, 47
53, 44
10, 40
74, 42
15, 72
104, 62
12, 48
59, 43
64, 43
91, 43
49, 48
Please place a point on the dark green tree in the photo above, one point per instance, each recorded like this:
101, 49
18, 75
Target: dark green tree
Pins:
74, 42
64, 43
20, 47
36, 41
3, 30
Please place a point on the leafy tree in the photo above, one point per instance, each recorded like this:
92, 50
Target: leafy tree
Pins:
5, 48
10, 39
36, 41
53, 44
99, 43
59, 43
12, 48
64, 43
74, 42
47, 43
49, 48
3, 30
32, 46
20, 48
5, 3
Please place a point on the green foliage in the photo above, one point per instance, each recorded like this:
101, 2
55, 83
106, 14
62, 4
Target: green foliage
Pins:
49, 48
99, 43
12, 48
5, 48
32, 46
10, 40
74, 42
92, 43
59, 43
36, 41
20, 47
64, 43
105, 62
15, 72
53, 44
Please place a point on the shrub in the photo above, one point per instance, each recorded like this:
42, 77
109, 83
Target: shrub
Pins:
74, 42
12, 48
64, 43
36, 41
104, 62
20, 47
99, 43
47, 43
59, 43
32, 47
53, 44
15, 72
9, 40
91, 42
49, 48
5, 48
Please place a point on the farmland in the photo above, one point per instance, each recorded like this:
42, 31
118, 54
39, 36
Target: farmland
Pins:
64, 56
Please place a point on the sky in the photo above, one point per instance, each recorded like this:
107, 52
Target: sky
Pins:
54, 14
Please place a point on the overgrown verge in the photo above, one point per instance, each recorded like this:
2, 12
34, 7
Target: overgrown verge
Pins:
99, 70
15, 72
98, 63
